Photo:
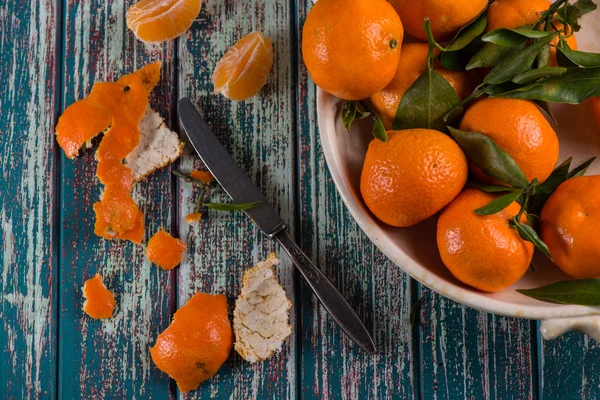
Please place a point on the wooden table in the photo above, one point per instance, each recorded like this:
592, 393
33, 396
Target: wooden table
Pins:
52, 53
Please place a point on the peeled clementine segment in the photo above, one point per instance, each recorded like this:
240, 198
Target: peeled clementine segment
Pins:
164, 250
197, 343
202, 176
244, 69
117, 109
100, 302
155, 21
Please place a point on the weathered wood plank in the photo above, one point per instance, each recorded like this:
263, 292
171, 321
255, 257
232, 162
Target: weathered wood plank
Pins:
259, 134
28, 268
331, 365
569, 367
110, 358
473, 355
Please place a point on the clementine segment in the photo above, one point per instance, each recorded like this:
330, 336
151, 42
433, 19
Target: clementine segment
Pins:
570, 226
155, 21
447, 17
164, 250
197, 343
482, 251
352, 49
100, 302
243, 70
413, 63
412, 176
520, 129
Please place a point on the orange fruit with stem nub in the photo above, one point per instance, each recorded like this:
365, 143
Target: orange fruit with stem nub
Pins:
483, 251
164, 250
155, 21
100, 302
243, 70
197, 343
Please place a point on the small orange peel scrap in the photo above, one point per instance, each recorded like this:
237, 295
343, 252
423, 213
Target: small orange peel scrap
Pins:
193, 218
100, 302
164, 250
202, 176
196, 344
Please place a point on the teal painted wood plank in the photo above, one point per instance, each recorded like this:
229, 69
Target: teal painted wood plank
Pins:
28, 270
259, 134
110, 358
569, 367
473, 355
331, 365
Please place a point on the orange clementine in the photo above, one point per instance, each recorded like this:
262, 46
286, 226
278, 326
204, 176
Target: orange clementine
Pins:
243, 70
100, 302
482, 251
351, 48
412, 176
594, 105
202, 176
164, 250
413, 63
155, 21
570, 226
197, 343
519, 128
447, 17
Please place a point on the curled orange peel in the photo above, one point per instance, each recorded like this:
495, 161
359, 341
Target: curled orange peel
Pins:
116, 109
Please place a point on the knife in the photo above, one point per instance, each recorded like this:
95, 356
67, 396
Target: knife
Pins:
242, 190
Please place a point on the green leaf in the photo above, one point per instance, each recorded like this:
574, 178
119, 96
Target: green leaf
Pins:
534, 74
528, 233
582, 58
492, 188
415, 310
543, 57
351, 112
573, 87
451, 60
499, 203
490, 55
232, 206
570, 14
586, 6
468, 33
582, 169
544, 105
583, 292
513, 37
488, 156
516, 63
426, 102
379, 131
545, 190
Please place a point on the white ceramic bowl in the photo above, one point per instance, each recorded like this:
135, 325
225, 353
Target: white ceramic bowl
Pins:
414, 249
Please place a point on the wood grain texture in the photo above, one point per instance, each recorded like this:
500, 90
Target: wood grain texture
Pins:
333, 366
28, 270
110, 358
259, 134
473, 355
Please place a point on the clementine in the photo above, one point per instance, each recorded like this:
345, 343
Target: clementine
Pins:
196, 344
351, 49
482, 251
412, 176
570, 226
519, 128
412, 64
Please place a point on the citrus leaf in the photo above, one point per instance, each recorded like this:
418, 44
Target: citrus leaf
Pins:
426, 102
451, 60
490, 55
351, 112
488, 156
573, 87
232, 206
586, 6
582, 58
414, 311
583, 292
513, 37
534, 74
499, 203
570, 15
544, 105
517, 63
582, 169
545, 190
379, 131
528, 233
492, 188
468, 33
543, 57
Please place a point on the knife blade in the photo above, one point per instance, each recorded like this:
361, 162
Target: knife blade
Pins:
242, 190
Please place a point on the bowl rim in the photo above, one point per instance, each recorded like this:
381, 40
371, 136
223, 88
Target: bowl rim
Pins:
477, 300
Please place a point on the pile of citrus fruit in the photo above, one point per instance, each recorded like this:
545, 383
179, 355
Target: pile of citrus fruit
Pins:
458, 125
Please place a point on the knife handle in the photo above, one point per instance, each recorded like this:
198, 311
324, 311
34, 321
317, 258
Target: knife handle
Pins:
333, 301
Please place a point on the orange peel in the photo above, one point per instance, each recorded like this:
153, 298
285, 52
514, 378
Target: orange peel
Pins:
100, 302
202, 176
164, 250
